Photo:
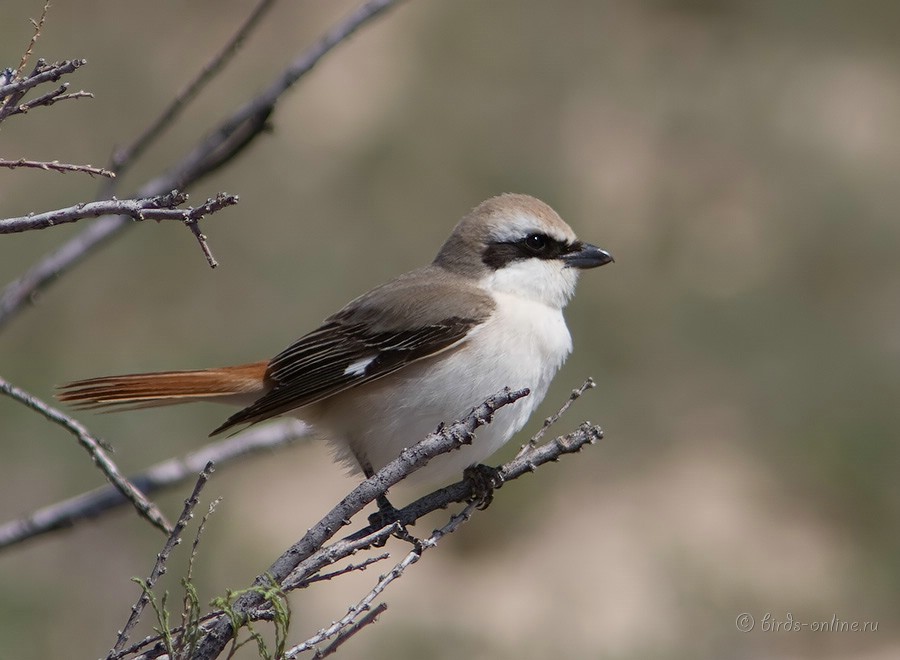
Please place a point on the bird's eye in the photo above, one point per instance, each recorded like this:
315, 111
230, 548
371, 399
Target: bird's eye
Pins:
536, 243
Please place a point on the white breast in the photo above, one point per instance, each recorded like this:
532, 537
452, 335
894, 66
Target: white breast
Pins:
523, 344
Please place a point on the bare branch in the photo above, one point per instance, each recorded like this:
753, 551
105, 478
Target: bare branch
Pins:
307, 571
92, 445
349, 568
365, 603
56, 166
192, 220
247, 122
160, 207
42, 73
166, 474
223, 144
219, 632
38, 26
125, 155
302, 571
549, 452
573, 442
550, 421
159, 568
350, 631
49, 99
524, 463
14, 91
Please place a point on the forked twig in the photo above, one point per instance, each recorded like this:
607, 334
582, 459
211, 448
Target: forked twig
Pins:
550, 421
366, 602
351, 630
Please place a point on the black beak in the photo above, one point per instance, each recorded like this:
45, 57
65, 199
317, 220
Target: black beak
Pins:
585, 255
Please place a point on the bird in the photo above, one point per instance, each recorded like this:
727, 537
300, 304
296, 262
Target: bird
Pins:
420, 350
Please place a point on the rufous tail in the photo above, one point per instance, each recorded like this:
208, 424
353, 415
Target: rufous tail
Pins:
166, 387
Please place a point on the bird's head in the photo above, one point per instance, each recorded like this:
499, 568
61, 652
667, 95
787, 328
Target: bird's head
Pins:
517, 244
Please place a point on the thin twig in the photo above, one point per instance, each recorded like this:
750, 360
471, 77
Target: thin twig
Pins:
190, 610
249, 120
349, 568
38, 26
42, 73
196, 544
307, 571
127, 154
550, 421
92, 445
159, 567
350, 631
48, 99
159, 207
365, 603
192, 218
14, 91
164, 475
56, 166
222, 144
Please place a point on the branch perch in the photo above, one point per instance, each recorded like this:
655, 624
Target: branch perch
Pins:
94, 447
302, 563
220, 631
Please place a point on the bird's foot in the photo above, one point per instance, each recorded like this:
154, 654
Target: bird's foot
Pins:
484, 479
388, 514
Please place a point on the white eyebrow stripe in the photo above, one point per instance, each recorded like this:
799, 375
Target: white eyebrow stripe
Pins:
358, 368
520, 225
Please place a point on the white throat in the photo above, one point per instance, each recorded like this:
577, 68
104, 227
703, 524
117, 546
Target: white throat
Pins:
543, 281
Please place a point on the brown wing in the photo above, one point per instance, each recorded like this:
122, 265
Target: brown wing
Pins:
373, 336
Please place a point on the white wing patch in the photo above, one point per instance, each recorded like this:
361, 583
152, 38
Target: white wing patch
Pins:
358, 368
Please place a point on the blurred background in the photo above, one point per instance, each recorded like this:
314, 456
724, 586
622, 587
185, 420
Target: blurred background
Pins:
740, 161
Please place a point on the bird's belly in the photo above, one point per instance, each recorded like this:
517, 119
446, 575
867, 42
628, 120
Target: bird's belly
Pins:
516, 348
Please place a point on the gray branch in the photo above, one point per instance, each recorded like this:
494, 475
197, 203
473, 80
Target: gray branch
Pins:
219, 632
94, 447
14, 91
159, 567
164, 475
219, 147
365, 604
303, 562
56, 166
159, 207
127, 154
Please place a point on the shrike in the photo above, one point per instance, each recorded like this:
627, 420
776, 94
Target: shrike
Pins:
426, 347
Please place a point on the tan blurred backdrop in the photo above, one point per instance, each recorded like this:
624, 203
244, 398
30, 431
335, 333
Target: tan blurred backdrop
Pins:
740, 160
